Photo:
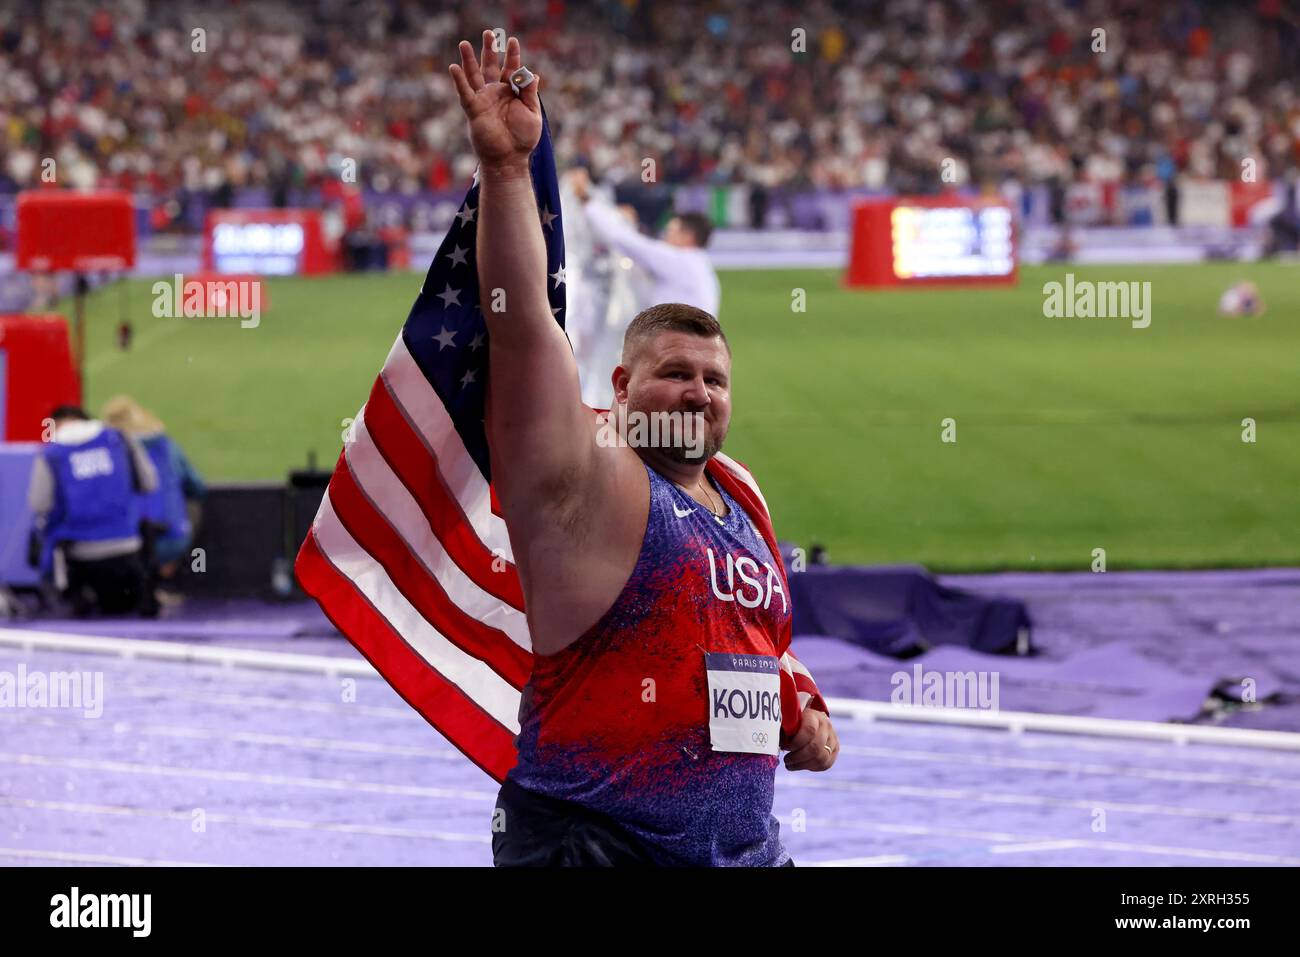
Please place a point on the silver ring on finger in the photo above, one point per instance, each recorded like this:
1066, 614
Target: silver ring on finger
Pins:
521, 78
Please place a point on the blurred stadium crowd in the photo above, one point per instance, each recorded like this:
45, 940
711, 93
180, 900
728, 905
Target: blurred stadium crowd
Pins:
283, 94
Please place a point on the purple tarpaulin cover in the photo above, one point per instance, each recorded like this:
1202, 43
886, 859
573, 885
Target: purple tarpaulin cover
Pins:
900, 610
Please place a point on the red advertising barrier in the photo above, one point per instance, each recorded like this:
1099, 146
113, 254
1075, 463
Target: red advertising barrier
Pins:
931, 241
1252, 203
267, 242
36, 374
80, 231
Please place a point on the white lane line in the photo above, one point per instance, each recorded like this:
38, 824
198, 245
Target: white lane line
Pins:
176, 651
450, 754
1205, 854
283, 823
916, 830
880, 860
1184, 741
1035, 800
132, 688
1194, 752
71, 857
248, 777
276, 704
1071, 767
247, 701
1018, 722
1124, 847
876, 730
1062, 845
294, 742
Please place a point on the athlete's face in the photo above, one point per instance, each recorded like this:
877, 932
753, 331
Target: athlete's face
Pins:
681, 372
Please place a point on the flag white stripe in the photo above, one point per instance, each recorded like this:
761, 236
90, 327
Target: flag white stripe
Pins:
793, 665
391, 499
423, 408
742, 473
475, 678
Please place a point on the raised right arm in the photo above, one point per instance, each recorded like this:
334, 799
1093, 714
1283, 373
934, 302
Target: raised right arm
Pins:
539, 433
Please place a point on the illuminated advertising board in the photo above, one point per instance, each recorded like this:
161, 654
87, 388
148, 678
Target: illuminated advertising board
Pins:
266, 242
931, 241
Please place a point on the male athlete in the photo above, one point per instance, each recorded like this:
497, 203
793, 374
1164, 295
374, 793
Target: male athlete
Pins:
651, 600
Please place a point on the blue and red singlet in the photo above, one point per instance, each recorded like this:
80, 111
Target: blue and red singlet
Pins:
634, 722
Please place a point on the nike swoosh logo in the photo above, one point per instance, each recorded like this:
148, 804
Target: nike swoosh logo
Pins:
680, 514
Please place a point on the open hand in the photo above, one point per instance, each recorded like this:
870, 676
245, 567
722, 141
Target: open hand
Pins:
503, 128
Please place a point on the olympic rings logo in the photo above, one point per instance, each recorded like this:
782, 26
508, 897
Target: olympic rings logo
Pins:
759, 737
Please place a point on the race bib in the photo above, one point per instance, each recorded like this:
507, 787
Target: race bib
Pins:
744, 702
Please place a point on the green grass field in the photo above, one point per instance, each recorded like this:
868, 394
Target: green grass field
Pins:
1072, 434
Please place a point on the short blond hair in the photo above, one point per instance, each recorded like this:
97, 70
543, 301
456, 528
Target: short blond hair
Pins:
126, 415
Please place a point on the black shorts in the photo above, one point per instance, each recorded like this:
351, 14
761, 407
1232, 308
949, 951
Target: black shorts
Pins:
533, 830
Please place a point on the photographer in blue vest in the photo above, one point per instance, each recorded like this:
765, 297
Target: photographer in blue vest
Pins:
165, 512
85, 493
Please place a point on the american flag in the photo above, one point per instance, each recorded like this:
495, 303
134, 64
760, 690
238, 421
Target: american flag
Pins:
408, 555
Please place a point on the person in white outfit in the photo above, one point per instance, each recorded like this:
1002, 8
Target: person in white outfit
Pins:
604, 290
675, 268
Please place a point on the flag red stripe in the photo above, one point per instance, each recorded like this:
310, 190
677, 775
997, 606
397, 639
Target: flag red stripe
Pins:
806, 684
455, 715
790, 713
373, 532
413, 463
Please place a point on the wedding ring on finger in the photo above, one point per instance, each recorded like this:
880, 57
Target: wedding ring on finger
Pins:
521, 78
